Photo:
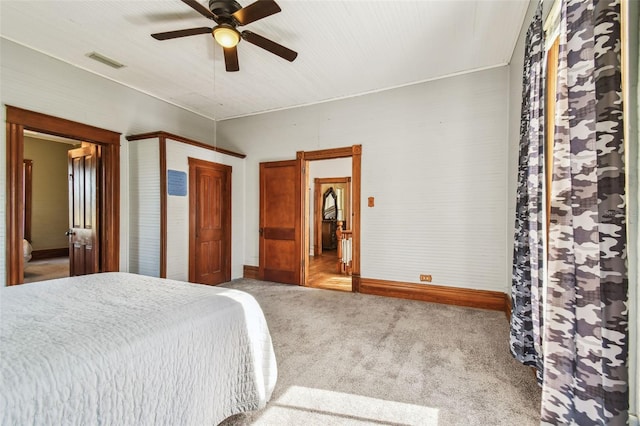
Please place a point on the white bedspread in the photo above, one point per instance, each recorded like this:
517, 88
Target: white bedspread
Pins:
124, 349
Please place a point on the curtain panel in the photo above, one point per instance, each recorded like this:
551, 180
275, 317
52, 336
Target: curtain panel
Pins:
586, 315
528, 272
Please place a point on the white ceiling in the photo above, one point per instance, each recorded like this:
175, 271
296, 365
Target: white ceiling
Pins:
345, 48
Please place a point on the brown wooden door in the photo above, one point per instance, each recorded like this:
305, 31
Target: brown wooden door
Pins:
280, 222
84, 252
209, 222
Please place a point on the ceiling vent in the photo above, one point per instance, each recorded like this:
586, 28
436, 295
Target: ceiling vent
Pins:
103, 59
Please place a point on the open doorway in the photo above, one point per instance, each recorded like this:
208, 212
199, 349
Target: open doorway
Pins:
106, 177
46, 206
330, 208
323, 268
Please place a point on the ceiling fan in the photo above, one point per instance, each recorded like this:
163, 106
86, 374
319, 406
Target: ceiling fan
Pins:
228, 14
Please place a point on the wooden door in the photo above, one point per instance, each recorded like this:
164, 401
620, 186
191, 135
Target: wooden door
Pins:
84, 252
27, 197
280, 222
209, 222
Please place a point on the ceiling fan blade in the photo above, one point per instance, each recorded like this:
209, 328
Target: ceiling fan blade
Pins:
182, 33
200, 9
269, 45
231, 58
258, 10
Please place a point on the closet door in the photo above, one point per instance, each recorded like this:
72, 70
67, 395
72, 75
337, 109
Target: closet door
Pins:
209, 222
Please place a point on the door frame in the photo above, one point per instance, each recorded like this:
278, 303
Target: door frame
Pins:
17, 121
194, 163
317, 202
355, 152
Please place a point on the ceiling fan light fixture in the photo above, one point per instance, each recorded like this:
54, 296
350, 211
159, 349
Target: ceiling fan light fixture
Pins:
228, 14
226, 35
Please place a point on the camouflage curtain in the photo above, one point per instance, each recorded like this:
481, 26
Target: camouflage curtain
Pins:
585, 333
526, 286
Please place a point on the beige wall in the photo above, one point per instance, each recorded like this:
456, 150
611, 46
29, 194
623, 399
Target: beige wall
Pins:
50, 211
37, 82
433, 156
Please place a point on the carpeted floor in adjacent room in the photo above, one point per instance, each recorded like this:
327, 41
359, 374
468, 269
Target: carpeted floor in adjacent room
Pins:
351, 359
46, 269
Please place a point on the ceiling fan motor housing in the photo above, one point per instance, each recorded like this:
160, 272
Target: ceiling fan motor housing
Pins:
224, 7
228, 15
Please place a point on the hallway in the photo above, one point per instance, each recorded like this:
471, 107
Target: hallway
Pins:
323, 273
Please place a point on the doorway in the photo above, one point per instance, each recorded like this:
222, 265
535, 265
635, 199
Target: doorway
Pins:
331, 198
108, 171
312, 277
284, 223
56, 182
324, 220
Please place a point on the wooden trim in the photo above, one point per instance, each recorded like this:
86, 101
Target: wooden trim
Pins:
14, 207
356, 172
355, 283
317, 218
27, 197
302, 243
483, 299
50, 253
251, 272
347, 207
327, 154
355, 152
18, 120
110, 217
166, 135
507, 306
162, 147
191, 255
51, 125
550, 111
333, 180
304, 233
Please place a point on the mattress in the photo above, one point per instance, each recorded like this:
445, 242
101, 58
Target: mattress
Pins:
118, 348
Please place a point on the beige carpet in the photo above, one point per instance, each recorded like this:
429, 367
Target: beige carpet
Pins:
46, 269
352, 359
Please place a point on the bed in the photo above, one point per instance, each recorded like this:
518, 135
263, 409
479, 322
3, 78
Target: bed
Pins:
118, 348
26, 250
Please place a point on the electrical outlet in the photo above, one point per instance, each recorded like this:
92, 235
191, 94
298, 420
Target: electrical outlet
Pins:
425, 277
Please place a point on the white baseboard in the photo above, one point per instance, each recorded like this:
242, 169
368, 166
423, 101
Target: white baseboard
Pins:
633, 420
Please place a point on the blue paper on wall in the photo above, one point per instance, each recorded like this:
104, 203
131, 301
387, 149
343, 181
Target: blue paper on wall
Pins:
176, 183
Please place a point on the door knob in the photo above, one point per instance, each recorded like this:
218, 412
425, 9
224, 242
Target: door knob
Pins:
69, 232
